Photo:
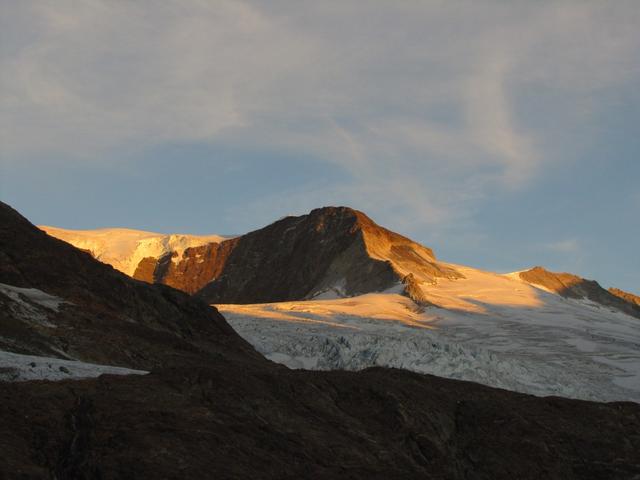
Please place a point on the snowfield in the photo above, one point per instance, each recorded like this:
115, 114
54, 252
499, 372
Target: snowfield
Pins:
16, 368
124, 248
487, 328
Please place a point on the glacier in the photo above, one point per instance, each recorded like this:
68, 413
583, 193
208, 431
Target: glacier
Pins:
488, 328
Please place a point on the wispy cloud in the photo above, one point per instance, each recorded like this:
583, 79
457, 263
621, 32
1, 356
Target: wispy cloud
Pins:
564, 246
421, 103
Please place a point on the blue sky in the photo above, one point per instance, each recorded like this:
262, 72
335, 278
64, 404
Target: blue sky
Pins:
502, 134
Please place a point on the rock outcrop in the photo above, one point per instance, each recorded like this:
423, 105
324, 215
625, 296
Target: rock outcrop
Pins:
572, 286
189, 271
626, 296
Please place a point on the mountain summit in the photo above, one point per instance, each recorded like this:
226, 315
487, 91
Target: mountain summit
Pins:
330, 252
335, 250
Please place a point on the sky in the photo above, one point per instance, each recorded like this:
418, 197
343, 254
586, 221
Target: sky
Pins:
501, 134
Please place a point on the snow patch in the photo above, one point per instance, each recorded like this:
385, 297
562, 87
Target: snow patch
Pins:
15, 367
22, 295
31, 305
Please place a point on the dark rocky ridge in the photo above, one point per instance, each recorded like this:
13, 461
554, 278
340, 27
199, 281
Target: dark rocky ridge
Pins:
573, 286
107, 317
213, 408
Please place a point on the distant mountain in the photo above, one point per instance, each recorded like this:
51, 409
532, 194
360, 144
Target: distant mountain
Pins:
332, 251
334, 290
335, 250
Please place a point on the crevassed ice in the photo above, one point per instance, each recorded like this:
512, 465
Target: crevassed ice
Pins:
488, 328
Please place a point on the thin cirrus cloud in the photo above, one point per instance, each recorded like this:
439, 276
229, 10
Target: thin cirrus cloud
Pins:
414, 101
564, 246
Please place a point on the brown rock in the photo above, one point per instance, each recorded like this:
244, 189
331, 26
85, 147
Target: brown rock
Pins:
573, 286
628, 297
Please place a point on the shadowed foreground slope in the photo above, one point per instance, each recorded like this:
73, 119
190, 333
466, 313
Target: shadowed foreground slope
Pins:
221, 421
103, 316
212, 408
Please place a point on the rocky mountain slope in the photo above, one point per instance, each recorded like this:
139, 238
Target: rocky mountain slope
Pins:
213, 408
336, 250
572, 286
190, 272
57, 301
628, 297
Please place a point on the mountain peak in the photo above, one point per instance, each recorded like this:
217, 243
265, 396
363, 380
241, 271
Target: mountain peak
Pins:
334, 250
331, 250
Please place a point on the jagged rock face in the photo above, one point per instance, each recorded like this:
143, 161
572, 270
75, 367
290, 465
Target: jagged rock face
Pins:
103, 316
628, 297
188, 272
330, 249
573, 286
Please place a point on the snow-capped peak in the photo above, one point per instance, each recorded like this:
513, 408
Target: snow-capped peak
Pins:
124, 248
